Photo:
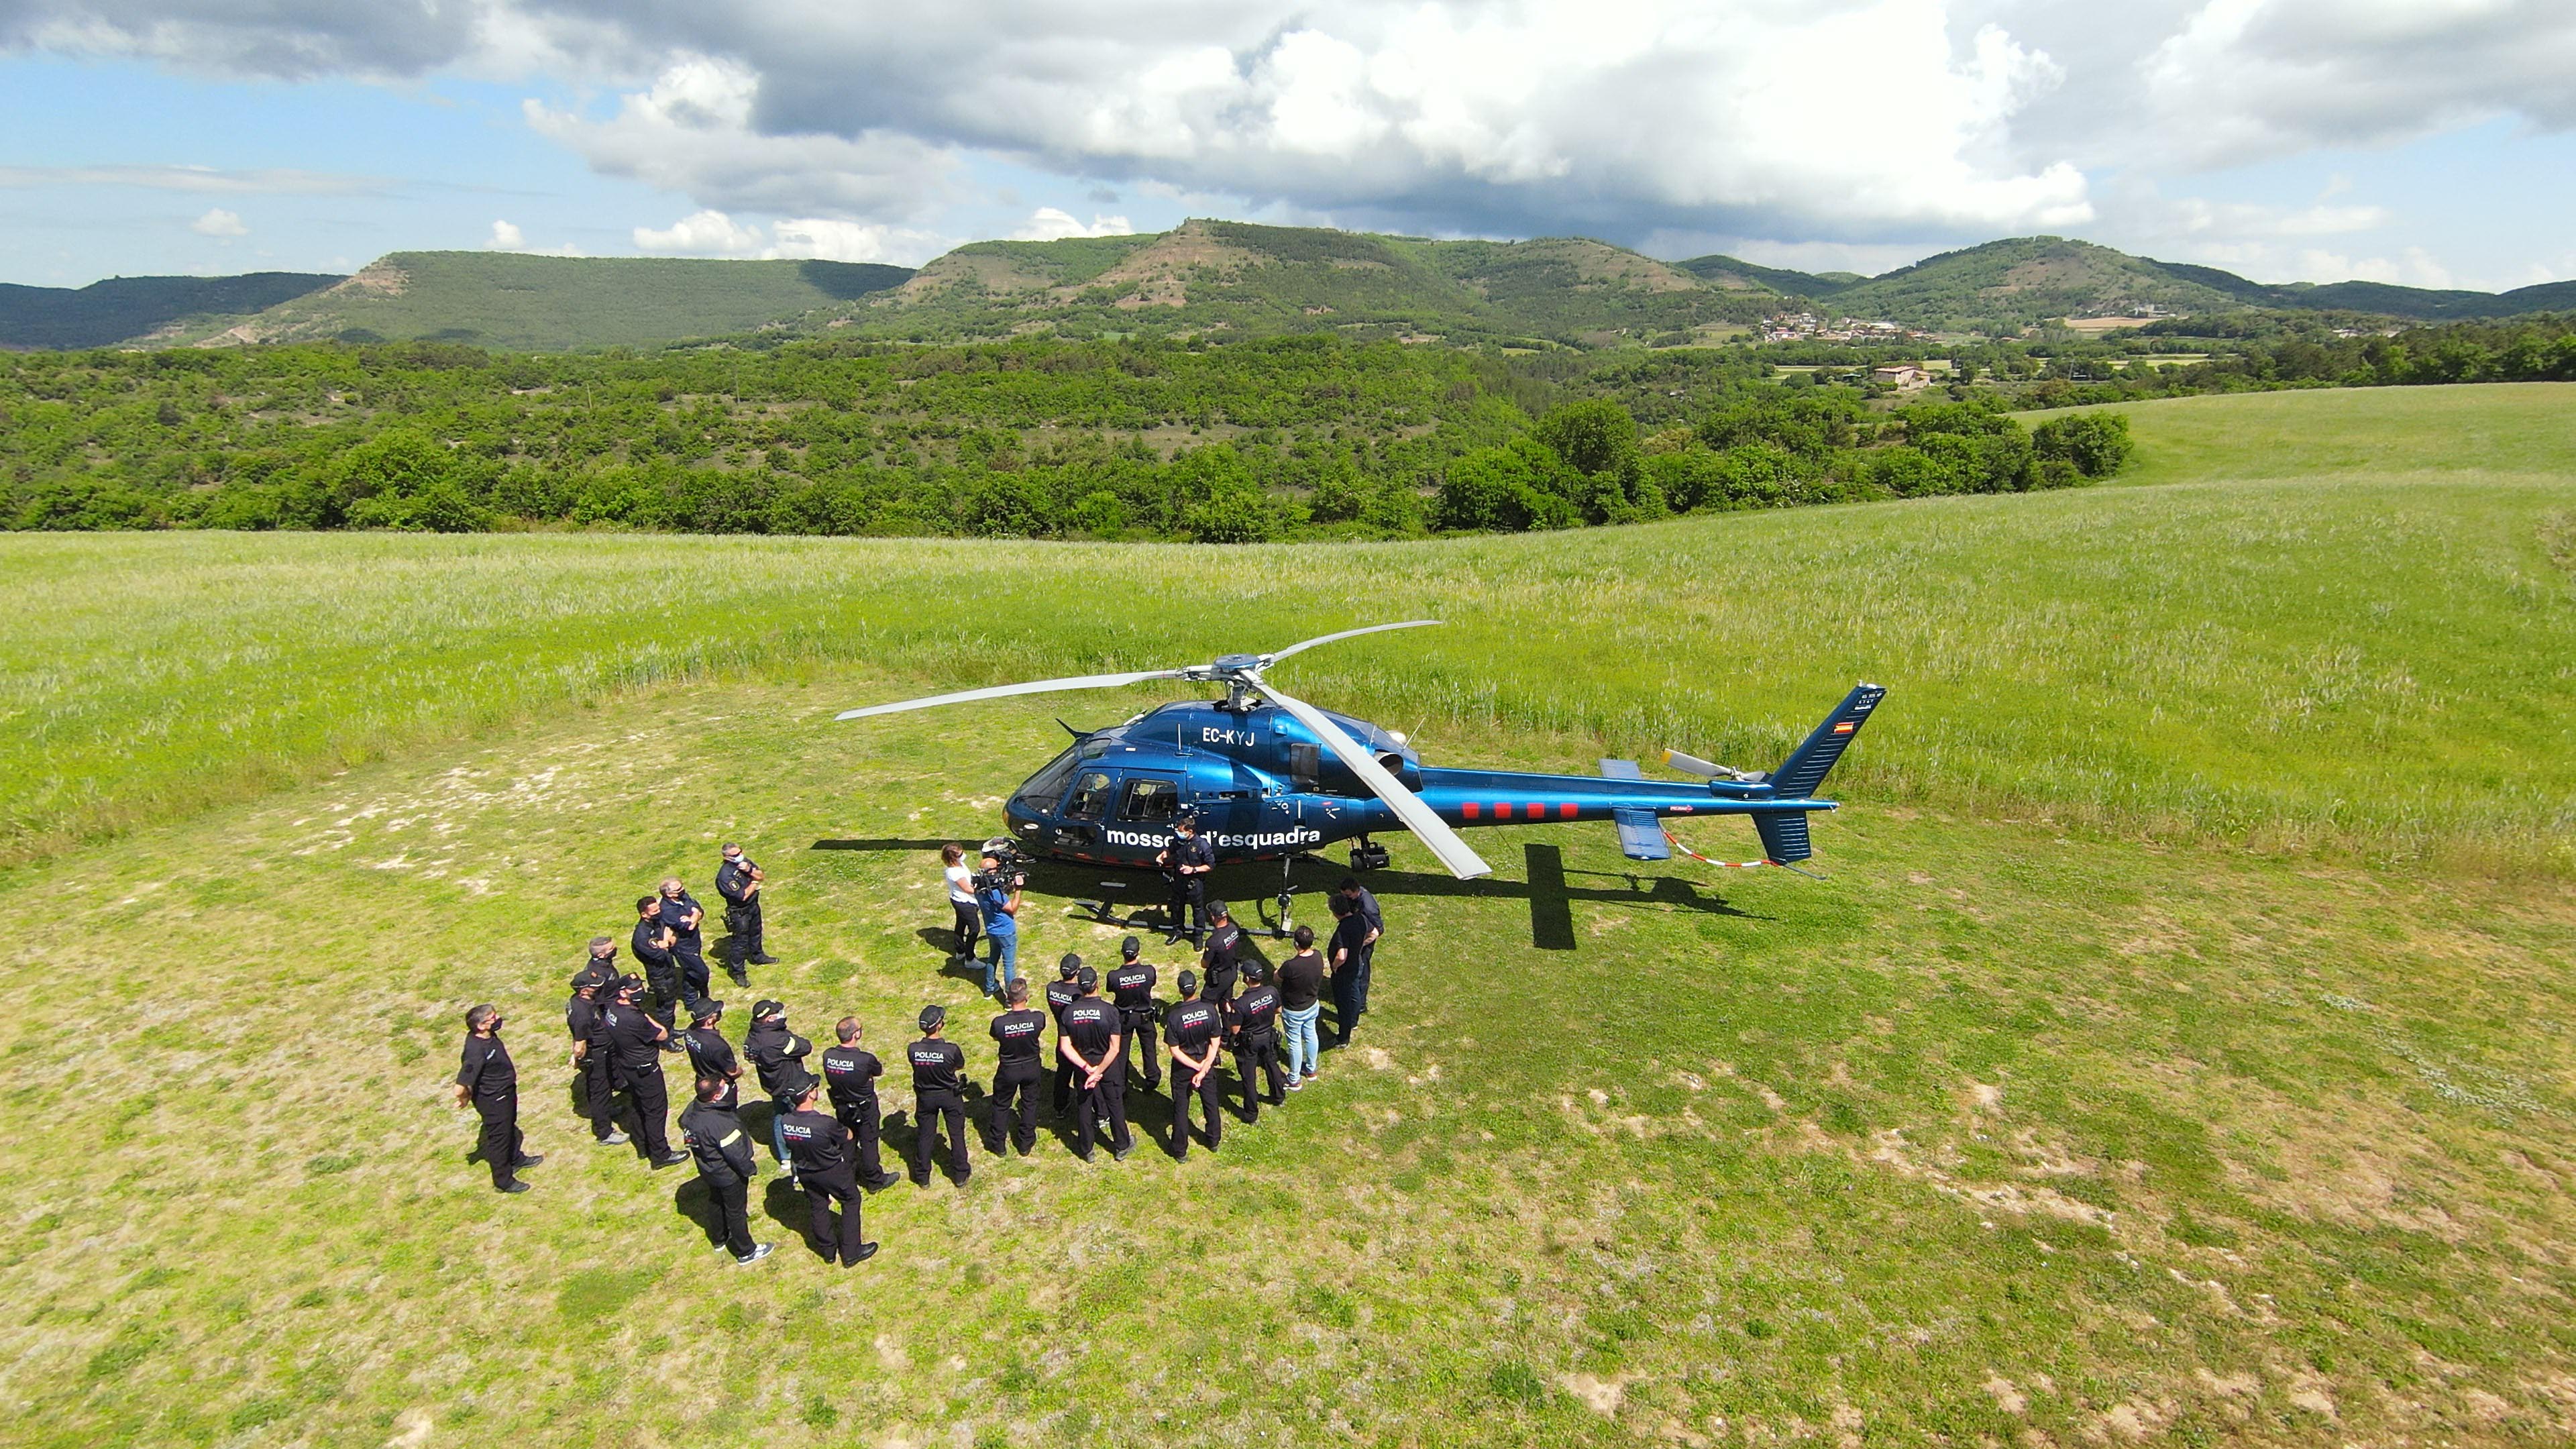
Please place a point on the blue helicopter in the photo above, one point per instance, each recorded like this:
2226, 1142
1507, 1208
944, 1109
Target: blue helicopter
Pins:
1268, 776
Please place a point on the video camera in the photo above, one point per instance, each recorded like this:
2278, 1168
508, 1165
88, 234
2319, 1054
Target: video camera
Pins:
1010, 869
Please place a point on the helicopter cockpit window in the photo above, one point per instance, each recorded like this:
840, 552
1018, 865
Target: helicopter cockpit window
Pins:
1305, 766
1090, 797
1150, 799
1047, 786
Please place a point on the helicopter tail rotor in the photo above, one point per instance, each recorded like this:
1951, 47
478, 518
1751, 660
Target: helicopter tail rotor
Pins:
1708, 770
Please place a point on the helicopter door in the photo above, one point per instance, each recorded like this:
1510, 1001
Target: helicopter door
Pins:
1305, 768
1084, 806
1150, 801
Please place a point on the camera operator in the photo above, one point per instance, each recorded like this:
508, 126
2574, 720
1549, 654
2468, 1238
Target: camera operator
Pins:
738, 881
997, 894
1186, 863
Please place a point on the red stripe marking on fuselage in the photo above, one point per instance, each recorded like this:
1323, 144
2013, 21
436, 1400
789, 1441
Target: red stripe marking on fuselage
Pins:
1503, 810
1472, 809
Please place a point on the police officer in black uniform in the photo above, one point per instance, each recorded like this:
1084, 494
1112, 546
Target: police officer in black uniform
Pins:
635, 1046
938, 1092
583, 1019
1020, 1035
652, 944
738, 881
687, 920
726, 1164
850, 1072
772, 1049
487, 1079
1061, 993
1186, 863
1197, 1032
1090, 1044
1254, 1030
822, 1150
1131, 990
1364, 905
1219, 964
710, 1054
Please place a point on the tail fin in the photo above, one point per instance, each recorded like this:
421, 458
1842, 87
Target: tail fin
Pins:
1804, 770
1784, 837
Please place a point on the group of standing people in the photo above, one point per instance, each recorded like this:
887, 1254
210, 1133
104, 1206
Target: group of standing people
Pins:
826, 1129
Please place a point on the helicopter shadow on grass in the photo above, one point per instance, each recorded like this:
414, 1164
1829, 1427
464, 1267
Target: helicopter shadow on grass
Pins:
1551, 891
1135, 898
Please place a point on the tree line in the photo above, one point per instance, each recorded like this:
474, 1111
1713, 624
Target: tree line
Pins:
1308, 436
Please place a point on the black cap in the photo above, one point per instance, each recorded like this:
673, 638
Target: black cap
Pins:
1255, 972
1129, 947
933, 1017
1086, 978
1065, 968
1217, 911
794, 1082
592, 977
627, 985
705, 1009
1189, 982
764, 1008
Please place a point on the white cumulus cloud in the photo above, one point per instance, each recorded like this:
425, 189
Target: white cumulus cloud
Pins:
508, 237
1049, 223
712, 233
219, 222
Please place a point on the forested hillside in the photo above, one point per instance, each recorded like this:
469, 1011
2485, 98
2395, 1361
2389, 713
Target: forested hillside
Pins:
127, 308
1246, 441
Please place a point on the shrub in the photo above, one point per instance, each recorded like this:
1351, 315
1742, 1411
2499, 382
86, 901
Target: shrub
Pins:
2097, 444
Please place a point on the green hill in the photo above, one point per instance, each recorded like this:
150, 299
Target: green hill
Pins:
1241, 280
123, 309
2171, 1045
1779, 279
557, 304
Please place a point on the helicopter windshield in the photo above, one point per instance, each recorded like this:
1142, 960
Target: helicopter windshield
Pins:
1047, 785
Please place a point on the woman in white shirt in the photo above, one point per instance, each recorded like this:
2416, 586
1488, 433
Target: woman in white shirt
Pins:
961, 899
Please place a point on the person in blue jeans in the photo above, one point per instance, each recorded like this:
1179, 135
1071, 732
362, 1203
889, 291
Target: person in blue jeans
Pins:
1001, 907
1301, 996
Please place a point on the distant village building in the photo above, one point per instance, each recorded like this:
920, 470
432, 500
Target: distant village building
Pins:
1904, 377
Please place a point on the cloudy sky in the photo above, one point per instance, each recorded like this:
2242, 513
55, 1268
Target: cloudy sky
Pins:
2423, 141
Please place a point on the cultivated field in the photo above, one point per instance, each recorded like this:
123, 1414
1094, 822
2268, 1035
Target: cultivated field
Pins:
2177, 1049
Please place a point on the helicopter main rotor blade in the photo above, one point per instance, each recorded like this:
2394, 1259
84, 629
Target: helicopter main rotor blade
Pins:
1434, 832
998, 691
1345, 634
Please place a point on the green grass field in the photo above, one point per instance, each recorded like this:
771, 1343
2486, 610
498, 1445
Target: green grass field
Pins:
2177, 1049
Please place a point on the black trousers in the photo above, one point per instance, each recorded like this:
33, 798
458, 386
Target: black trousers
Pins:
1063, 1098
597, 1093
1210, 1095
664, 985
1016, 1082
743, 924
864, 1125
652, 1099
834, 1240
500, 1136
970, 928
733, 1214
1104, 1103
1188, 903
1346, 1003
1368, 958
1141, 1055
929, 1109
1252, 1056
693, 970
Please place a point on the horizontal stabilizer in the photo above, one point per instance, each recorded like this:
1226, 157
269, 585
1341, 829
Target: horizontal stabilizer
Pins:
1641, 835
